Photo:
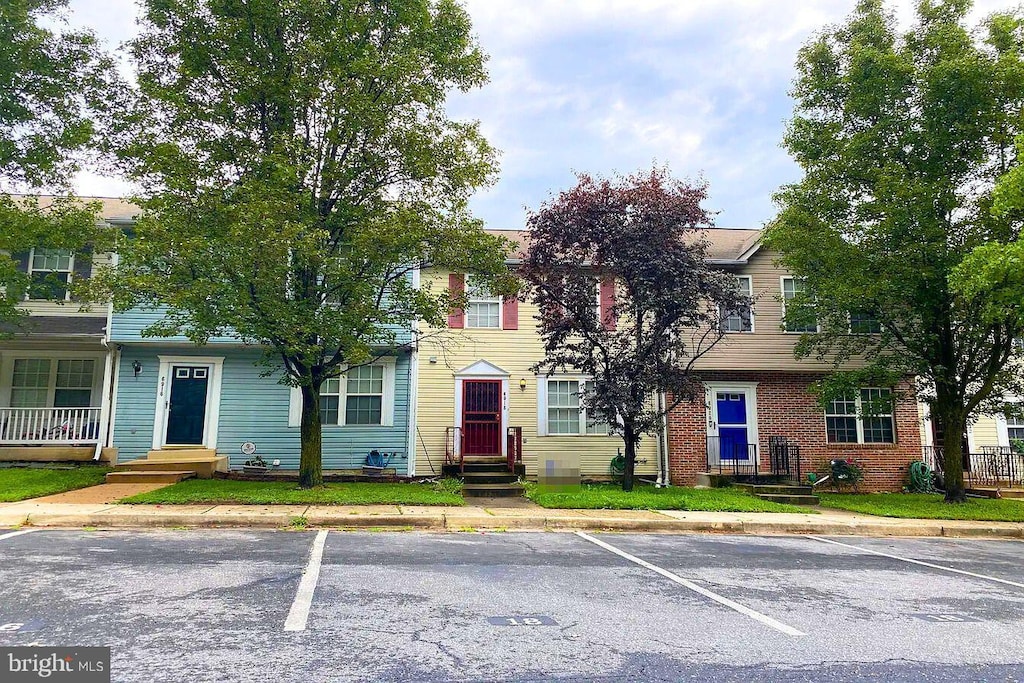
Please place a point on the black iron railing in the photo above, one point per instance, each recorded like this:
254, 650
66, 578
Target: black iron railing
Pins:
996, 466
733, 458
784, 457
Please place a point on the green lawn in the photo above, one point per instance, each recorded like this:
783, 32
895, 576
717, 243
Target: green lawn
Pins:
21, 483
221, 491
926, 506
611, 497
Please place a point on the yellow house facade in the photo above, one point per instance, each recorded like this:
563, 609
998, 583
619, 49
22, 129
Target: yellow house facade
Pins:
475, 383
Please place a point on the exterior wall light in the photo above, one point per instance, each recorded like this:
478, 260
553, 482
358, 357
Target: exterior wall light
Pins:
522, 384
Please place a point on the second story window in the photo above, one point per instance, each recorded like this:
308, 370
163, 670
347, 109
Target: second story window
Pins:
804, 322
483, 308
864, 321
50, 271
742, 319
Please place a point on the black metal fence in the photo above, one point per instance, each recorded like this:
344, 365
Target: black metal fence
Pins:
994, 466
742, 460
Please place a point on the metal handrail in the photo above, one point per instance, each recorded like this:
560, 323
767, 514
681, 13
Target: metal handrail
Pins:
514, 447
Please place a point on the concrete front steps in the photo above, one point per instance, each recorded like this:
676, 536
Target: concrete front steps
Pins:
488, 477
791, 494
170, 466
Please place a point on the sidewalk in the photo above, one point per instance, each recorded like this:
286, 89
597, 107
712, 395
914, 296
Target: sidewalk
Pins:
42, 513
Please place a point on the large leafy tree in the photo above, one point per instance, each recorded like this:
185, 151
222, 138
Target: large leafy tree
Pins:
297, 166
51, 83
639, 238
901, 137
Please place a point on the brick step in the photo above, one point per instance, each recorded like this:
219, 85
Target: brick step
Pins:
788, 489
502, 477
481, 467
791, 499
493, 490
172, 477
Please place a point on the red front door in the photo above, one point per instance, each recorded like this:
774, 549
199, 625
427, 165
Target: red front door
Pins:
481, 417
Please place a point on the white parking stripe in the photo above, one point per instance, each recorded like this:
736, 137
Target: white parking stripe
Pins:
923, 564
299, 613
756, 616
16, 533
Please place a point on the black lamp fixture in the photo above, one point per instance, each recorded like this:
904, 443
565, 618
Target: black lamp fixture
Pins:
136, 367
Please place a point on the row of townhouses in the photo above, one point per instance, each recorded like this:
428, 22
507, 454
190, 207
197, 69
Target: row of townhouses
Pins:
89, 384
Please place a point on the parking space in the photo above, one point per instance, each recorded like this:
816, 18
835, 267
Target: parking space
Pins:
213, 605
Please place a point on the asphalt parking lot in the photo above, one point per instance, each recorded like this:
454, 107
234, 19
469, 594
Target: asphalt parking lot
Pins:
229, 605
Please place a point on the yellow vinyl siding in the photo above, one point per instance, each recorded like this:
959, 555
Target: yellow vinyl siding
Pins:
985, 432
515, 351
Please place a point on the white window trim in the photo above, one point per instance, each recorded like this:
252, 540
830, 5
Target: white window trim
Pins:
749, 390
482, 369
211, 423
858, 401
492, 299
782, 294
7, 372
70, 271
750, 293
387, 403
542, 406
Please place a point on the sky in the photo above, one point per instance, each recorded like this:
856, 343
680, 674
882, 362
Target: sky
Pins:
615, 86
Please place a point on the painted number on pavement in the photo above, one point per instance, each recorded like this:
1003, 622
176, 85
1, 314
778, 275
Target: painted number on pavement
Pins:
945, 618
20, 627
521, 621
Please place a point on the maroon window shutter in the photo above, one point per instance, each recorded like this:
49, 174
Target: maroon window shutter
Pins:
456, 285
510, 313
607, 302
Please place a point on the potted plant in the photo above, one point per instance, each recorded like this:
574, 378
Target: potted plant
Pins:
845, 473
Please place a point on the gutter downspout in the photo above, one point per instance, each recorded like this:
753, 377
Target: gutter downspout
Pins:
413, 392
663, 475
106, 397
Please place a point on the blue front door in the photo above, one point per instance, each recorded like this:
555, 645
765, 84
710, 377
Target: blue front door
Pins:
732, 425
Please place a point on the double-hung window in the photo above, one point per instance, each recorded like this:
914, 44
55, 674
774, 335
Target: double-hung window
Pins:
862, 418
1015, 428
50, 271
361, 396
566, 414
864, 321
52, 383
804, 322
741, 319
483, 309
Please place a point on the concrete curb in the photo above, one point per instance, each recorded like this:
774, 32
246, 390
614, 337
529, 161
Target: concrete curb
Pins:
128, 519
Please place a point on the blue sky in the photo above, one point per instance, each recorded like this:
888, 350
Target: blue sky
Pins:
609, 86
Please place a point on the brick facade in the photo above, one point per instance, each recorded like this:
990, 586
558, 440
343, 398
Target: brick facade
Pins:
786, 408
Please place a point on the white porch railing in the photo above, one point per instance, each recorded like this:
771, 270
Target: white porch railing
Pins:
49, 426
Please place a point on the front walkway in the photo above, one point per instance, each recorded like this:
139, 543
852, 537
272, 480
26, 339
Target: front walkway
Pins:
64, 510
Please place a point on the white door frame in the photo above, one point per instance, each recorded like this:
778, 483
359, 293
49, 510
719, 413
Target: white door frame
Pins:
487, 371
749, 390
163, 397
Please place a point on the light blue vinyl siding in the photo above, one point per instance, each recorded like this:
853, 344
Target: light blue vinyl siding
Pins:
252, 408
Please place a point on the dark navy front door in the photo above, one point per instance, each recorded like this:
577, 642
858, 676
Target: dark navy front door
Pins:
732, 425
186, 411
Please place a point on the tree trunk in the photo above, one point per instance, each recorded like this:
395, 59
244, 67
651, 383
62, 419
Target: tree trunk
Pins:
954, 423
630, 438
311, 436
